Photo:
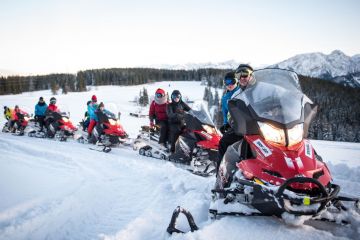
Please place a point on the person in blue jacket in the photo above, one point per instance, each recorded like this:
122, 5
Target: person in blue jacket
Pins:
93, 118
235, 83
40, 109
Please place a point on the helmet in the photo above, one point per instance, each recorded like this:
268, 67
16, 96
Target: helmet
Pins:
41, 99
243, 70
230, 79
175, 94
52, 100
101, 105
159, 93
94, 98
16, 107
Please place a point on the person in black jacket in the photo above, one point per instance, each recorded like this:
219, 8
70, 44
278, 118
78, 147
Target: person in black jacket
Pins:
175, 112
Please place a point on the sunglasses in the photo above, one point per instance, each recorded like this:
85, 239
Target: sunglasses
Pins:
159, 95
242, 75
229, 81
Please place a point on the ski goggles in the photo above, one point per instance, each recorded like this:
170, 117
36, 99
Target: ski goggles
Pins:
159, 95
53, 101
176, 96
229, 81
243, 74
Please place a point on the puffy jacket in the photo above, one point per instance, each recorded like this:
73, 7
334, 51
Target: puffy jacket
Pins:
52, 108
8, 113
40, 109
175, 112
91, 111
224, 103
158, 112
15, 114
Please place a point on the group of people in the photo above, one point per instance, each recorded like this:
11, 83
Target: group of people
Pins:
41, 111
169, 116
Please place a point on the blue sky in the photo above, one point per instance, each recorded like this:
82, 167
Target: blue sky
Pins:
43, 36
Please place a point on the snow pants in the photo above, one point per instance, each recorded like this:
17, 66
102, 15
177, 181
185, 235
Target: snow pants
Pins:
91, 126
228, 139
164, 131
175, 131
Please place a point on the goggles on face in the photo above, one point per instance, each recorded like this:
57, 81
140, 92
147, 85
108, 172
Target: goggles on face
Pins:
159, 95
53, 101
229, 81
176, 96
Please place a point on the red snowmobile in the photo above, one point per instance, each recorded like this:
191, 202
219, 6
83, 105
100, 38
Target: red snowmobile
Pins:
274, 170
19, 124
197, 146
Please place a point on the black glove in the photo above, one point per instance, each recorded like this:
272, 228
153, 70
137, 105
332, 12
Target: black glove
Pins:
224, 128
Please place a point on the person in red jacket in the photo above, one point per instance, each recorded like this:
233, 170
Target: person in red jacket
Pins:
157, 113
52, 106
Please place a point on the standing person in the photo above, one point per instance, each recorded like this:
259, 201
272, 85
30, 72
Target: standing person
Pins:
175, 112
93, 118
243, 75
157, 113
40, 110
7, 116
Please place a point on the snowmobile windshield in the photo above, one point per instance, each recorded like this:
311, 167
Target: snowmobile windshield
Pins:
111, 110
199, 111
64, 110
274, 94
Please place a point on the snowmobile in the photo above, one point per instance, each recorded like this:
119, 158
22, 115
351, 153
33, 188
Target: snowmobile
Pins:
19, 126
109, 132
197, 146
58, 126
274, 170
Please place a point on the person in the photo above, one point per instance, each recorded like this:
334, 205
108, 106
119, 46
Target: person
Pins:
93, 118
86, 120
102, 116
40, 110
52, 106
7, 113
157, 113
242, 75
175, 112
16, 115
231, 84
50, 116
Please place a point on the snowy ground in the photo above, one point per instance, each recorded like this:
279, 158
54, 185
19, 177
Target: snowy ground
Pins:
63, 190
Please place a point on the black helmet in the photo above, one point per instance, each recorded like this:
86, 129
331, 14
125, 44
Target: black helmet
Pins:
230, 79
243, 69
175, 94
52, 100
41, 99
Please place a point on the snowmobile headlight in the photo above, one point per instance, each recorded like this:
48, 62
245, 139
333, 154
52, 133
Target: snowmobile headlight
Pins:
65, 119
295, 134
118, 122
112, 122
272, 134
208, 129
26, 118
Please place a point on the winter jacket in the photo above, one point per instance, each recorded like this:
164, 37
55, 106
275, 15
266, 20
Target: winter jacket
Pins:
157, 112
40, 109
8, 113
52, 108
103, 115
175, 112
15, 114
91, 111
224, 103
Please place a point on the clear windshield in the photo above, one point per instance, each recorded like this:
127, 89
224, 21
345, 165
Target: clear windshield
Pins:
64, 110
113, 109
199, 110
275, 95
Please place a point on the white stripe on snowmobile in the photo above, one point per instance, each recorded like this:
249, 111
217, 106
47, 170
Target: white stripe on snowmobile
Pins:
289, 162
299, 163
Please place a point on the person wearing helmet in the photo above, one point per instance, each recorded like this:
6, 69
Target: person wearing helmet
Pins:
40, 110
157, 113
93, 118
52, 106
16, 115
7, 115
231, 85
242, 76
175, 111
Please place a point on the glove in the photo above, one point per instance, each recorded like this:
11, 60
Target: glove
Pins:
224, 128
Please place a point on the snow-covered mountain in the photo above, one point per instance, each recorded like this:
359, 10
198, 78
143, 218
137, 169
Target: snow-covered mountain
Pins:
231, 64
321, 65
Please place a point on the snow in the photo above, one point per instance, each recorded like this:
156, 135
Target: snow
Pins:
63, 190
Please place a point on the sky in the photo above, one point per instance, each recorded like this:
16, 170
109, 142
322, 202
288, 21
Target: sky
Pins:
48, 36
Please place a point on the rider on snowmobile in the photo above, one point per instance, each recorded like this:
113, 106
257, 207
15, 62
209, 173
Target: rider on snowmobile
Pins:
175, 111
101, 113
243, 76
91, 111
158, 113
40, 109
86, 120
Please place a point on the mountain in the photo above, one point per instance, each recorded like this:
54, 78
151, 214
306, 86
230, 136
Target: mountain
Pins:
231, 64
329, 67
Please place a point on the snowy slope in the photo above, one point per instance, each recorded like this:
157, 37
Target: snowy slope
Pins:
63, 190
321, 65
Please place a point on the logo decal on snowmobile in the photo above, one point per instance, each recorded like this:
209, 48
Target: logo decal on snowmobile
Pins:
308, 150
184, 147
299, 163
262, 147
289, 162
